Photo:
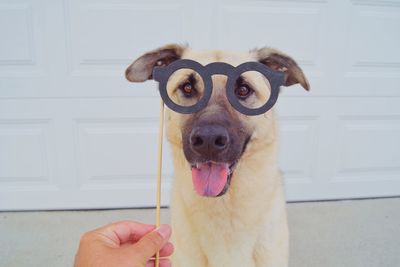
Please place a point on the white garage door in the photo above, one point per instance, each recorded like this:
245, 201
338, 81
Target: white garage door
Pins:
75, 134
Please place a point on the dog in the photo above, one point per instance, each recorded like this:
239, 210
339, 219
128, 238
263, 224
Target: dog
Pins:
239, 218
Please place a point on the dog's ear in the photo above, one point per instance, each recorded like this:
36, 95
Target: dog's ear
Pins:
278, 61
142, 68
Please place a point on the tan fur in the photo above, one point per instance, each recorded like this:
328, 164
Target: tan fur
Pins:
247, 226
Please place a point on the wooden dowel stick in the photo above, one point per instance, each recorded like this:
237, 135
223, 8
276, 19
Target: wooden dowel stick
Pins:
159, 170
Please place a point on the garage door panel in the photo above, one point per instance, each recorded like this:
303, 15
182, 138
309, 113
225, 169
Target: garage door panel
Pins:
101, 153
20, 39
105, 35
372, 61
366, 150
299, 137
27, 157
307, 19
377, 46
17, 46
117, 151
31, 31
357, 146
25, 150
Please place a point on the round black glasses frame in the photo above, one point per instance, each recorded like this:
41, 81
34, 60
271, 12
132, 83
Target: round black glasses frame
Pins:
162, 74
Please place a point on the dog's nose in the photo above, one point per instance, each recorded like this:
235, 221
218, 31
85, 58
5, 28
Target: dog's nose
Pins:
209, 139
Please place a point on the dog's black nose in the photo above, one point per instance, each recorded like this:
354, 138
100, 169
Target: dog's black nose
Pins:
209, 139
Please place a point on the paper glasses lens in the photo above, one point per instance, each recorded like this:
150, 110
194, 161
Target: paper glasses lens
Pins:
185, 87
252, 89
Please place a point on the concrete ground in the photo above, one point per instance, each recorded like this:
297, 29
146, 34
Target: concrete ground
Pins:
358, 233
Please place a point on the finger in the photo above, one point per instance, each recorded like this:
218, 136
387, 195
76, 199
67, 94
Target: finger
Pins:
167, 250
124, 231
163, 263
151, 243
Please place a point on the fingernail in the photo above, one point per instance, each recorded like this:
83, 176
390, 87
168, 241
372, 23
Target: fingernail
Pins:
165, 231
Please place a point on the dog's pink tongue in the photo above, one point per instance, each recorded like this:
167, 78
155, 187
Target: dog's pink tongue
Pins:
209, 179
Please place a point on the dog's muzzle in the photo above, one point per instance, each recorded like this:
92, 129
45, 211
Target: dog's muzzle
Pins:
212, 150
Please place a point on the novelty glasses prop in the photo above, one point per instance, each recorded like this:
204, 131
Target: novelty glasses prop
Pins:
165, 73
245, 105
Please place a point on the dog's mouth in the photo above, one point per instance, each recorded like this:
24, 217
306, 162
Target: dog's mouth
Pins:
212, 179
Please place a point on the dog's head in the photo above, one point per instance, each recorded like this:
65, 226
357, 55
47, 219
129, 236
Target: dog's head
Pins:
215, 138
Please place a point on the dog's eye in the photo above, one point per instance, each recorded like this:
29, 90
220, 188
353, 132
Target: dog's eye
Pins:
243, 91
188, 89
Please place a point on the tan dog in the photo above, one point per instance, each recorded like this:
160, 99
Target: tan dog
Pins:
237, 218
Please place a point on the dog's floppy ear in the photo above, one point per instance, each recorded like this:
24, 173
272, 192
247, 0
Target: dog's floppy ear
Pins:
142, 68
278, 61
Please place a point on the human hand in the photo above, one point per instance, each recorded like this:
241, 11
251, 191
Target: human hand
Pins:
123, 244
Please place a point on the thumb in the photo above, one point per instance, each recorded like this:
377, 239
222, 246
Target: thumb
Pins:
151, 243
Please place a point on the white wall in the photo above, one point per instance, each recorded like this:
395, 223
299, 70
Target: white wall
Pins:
75, 134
